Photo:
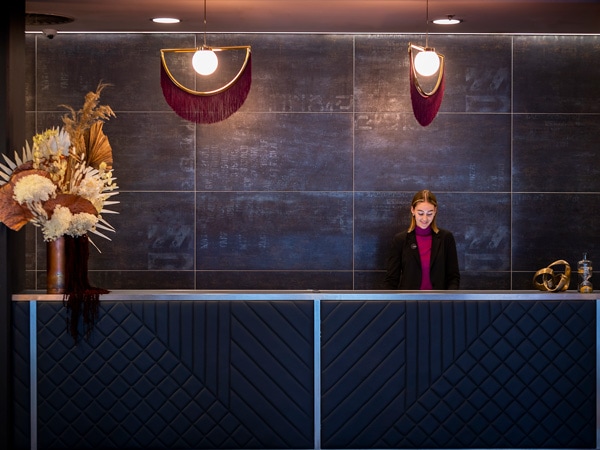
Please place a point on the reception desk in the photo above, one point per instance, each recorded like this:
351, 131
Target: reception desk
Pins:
309, 370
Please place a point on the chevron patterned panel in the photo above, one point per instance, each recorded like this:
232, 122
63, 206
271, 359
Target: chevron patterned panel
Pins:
178, 375
457, 374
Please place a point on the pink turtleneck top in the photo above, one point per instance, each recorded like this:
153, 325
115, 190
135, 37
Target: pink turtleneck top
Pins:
424, 237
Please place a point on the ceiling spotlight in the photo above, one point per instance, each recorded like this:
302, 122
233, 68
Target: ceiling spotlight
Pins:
450, 20
165, 20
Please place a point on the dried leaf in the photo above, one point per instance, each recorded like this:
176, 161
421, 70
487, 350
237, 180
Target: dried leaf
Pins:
25, 170
75, 203
99, 149
13, 215
28, 166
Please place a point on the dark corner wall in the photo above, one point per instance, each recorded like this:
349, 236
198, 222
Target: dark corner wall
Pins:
304, 187
12, 245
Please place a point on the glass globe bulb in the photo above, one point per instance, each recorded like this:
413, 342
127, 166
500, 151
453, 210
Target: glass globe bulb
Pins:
205, 62
427, 62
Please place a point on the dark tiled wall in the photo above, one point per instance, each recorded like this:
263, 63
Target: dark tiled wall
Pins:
304, 187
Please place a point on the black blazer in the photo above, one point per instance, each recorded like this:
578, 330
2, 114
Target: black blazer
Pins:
404, 262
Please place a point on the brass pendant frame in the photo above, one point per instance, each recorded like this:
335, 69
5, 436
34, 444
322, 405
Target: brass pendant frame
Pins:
215, 49
415, 74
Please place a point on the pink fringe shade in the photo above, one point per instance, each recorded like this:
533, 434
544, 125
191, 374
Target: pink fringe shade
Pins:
210, 107
425, 104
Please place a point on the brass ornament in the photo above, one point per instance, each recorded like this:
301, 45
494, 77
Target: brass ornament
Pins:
547, 280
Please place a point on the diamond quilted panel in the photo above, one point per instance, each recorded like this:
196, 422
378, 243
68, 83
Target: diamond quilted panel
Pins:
178, 375
458, 374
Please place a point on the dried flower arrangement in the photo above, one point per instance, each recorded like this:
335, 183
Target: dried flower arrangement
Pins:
62, 184
64, 180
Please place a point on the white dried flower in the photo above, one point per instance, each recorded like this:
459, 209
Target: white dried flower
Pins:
90, 188
81, 224
58, 224
33, 188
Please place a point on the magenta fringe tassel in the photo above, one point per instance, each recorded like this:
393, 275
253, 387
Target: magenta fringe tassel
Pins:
207, 108
425, 107
80, 298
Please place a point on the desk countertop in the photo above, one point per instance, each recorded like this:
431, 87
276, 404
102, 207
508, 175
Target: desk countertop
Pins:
248, 295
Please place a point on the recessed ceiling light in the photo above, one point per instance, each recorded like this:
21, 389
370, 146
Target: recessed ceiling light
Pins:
450, 20
165, 20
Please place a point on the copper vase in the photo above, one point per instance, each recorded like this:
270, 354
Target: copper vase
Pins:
56, 266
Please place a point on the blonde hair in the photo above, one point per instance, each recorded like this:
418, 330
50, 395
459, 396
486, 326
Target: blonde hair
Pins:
422, 196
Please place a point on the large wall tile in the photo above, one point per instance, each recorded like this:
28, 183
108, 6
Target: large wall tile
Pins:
276, 152
478, 73
142, 279
556, 74
30, 59
381, 74
523, 280
300, 73
481, 226
486, 281
368, 280
379, 216
154, 231
39, 121
556, 153
456, 152
281, 231
72, 65
152, 151
549, 227
296, 280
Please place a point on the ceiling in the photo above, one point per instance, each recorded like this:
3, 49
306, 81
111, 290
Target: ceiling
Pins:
320, 16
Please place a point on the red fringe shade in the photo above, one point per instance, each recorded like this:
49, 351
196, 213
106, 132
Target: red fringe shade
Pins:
425, 106
207, 108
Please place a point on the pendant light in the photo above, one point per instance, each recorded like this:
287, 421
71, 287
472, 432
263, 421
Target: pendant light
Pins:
427, 61
205, 60
212, 105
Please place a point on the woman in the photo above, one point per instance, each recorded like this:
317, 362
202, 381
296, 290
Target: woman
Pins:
423, 257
